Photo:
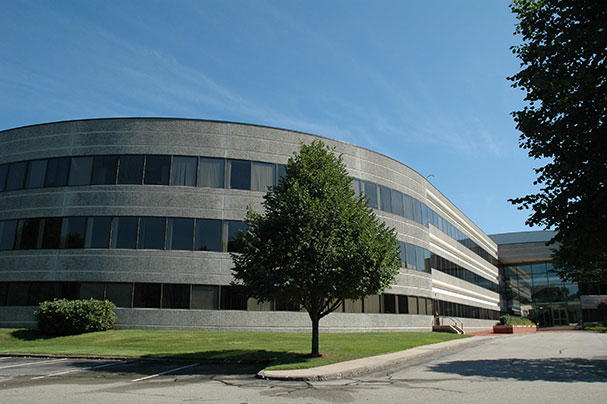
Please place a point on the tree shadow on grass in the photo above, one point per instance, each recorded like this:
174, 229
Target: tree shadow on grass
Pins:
551, 369
205, 363
31, 335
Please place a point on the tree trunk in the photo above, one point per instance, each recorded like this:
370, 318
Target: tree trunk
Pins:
315, 321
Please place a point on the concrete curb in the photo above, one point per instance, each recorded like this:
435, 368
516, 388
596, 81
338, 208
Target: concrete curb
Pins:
356, 367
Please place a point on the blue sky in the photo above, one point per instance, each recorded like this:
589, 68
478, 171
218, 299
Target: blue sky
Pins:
423, 82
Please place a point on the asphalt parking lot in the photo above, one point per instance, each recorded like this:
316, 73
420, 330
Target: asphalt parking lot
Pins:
24, 370
550, 367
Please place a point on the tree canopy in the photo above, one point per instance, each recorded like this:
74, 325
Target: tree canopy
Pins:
316, 243
564, 123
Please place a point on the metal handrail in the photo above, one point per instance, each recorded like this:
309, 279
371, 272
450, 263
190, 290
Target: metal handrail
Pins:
458, 323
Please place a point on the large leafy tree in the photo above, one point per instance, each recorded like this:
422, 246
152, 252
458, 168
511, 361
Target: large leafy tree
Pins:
563, 57
316, 243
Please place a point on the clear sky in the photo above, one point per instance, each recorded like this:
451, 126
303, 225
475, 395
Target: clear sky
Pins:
423, 82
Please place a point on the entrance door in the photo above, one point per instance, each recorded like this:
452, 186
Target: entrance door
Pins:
559, 316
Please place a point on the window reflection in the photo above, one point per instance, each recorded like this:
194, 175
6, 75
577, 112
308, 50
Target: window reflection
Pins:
157, 170
104, 170
36, 174
74, 232
124, 232
29, 230
52, 232
151, 232
3, 175
56, 172
81, 169
130, 169
180, 234
8, 229
234, 231
98, 232
239, 174
16, 175
371, 193
208, 235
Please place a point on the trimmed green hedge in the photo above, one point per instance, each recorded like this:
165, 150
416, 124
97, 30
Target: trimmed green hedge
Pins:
509, 319
67, 317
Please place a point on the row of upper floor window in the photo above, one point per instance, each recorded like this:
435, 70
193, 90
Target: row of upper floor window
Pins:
214, 297
173, 233
395, 202
204, 172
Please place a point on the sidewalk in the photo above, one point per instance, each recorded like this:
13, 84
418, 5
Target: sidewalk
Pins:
360, 366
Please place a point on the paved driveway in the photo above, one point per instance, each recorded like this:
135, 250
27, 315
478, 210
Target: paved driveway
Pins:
547, 367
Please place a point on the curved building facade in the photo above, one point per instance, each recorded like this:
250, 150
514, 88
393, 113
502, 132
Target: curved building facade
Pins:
143, 211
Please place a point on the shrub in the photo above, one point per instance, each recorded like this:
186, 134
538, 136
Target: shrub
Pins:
509, 319
67, 317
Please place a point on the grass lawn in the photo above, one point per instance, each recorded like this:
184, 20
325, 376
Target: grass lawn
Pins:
279, 350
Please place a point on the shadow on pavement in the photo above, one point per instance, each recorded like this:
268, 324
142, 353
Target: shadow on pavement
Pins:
551, 369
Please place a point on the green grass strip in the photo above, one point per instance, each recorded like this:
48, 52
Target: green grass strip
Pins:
279, 350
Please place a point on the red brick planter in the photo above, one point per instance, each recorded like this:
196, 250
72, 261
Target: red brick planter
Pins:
514, 329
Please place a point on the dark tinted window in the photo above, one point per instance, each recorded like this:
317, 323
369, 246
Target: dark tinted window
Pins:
371, 193
282, 172
93, 290
175, 296
146, 295
36, 174
208, 235
389, 305
239, 173
235, 229
130, 169
232, 298
411, 257
124, 232
41, 291
151, 232
8, 229
385, 198
408, 206
30, 229
17, 294
3, 174
397, 203
98, 232
211, 172
56, 172
355, 185
417, 211
183, 171
3, 293
81, 169
104, 170
16, 175
157, 170
403, 307
74, 232
120, 294
52, 232
205, 297
180, 234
